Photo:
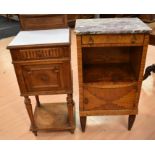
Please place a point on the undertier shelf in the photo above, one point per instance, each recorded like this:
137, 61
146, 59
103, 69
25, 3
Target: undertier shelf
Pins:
108, 73
52, 116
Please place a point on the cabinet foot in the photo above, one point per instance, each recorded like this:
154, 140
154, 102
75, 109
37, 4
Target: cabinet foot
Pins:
131, 121
83, 120
37, 101
35, 133
72, 131
70, 105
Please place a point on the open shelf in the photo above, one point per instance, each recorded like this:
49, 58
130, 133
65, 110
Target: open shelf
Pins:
111, 66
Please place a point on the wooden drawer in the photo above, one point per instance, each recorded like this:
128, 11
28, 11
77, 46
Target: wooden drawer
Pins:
40, 53
113, 39
44, 77
117, 98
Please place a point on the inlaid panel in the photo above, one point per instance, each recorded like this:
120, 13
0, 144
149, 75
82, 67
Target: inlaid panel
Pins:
109, 98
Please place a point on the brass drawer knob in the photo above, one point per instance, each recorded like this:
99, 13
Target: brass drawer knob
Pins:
133, 41
91, 40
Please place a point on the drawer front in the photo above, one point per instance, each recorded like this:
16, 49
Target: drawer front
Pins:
40, 53
109, 98
113, 39
44, 77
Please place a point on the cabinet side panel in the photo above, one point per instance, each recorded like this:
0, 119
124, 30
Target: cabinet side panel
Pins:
80, 76
142, 65
20, 79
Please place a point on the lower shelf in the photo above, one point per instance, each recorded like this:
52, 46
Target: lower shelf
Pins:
52, 116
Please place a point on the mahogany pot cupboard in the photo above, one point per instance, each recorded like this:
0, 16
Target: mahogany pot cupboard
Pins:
42, 62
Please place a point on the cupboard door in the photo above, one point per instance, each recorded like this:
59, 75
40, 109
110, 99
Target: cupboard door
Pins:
50, 77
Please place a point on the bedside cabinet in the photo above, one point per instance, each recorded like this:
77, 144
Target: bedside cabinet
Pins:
42, 62
111, 60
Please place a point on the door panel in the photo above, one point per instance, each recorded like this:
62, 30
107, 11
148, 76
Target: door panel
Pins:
46, 77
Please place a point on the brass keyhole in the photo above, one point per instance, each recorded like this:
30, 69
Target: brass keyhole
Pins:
85, 100
44, 78
56, 69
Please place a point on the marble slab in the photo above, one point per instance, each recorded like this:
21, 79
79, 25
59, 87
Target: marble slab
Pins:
110, 26
53, 36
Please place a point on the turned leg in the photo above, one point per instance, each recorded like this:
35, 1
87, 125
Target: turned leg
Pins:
83, 120
70, 105
30, 113
37, 100
148, 71
131, 121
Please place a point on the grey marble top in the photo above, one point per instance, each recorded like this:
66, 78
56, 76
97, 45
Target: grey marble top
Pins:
110, 26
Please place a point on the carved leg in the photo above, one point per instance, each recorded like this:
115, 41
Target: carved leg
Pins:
30, 113
148, 71
70, 105
37, 100
131, 120
83, 120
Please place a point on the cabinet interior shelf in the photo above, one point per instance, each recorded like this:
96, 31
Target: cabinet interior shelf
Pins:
108, 73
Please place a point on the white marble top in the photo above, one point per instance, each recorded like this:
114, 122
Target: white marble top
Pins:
53, 36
